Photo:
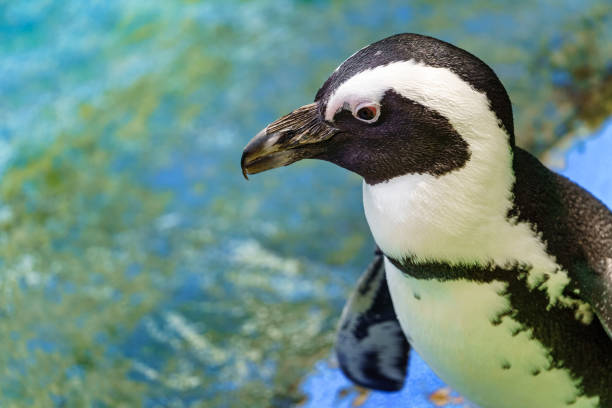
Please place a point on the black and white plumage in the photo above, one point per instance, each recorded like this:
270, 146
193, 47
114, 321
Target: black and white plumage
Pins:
499, 270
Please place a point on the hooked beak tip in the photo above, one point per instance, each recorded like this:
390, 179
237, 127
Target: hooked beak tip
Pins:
245, 174
293, 137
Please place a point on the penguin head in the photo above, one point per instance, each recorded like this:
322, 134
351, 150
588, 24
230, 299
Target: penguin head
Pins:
408, 104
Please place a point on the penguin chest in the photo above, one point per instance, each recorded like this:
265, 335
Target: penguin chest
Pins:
464, 331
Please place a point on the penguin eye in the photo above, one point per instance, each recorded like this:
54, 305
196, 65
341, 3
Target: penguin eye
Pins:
367, 112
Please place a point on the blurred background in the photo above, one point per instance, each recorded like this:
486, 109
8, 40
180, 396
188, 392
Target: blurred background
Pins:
138, 267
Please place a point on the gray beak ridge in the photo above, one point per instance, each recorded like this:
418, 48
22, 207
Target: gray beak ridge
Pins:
293, 137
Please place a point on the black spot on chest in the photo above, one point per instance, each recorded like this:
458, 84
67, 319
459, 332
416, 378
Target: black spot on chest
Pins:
584, 350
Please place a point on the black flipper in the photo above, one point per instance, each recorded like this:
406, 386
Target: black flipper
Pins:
576, 226
371, 347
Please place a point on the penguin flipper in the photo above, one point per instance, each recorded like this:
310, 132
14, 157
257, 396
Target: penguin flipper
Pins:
596, 289
594, 279
576, 226
591, 226
371, 347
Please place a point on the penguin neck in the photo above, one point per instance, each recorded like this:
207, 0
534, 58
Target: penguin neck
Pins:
456, 217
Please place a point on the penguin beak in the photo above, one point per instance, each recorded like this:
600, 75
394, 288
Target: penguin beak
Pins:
296, 136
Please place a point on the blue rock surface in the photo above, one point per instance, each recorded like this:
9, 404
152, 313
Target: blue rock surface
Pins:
589, 163
327, 387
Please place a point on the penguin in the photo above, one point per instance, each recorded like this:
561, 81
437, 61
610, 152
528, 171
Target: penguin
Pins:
493, 268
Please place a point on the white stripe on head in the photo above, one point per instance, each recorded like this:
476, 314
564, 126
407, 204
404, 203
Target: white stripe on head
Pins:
439, 89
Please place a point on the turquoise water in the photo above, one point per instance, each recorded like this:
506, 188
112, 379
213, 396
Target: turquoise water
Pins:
138, 267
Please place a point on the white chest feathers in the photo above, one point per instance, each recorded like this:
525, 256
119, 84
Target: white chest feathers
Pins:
448, 324
458, 218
